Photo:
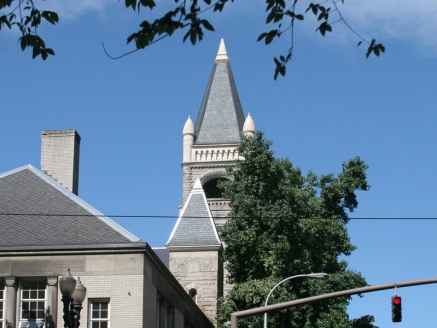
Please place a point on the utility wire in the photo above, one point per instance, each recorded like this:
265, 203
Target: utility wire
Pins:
191, 217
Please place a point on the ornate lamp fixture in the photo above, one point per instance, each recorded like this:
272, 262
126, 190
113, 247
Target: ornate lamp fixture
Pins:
73, 295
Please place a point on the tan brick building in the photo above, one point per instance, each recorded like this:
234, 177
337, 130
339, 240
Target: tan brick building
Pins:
46, 229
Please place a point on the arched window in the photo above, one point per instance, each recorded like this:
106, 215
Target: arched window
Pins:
193, 294
211, 189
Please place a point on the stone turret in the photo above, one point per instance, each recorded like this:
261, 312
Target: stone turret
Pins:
249, 126
188, 135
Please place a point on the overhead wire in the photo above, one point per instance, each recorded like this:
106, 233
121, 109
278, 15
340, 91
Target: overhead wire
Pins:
196, 217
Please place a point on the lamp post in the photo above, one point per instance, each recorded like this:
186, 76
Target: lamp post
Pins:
73, 295
310, 275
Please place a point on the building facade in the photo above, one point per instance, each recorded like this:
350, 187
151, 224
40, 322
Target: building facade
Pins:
47, 229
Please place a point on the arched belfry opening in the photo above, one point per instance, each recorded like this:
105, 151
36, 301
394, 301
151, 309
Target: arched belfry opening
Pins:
212, 190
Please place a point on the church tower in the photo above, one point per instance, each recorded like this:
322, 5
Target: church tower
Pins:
209, 146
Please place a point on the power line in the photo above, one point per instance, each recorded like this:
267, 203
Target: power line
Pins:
192, 217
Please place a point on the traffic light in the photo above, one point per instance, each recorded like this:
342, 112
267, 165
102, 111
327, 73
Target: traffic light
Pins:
396, 309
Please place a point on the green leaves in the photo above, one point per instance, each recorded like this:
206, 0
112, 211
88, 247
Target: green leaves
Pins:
269, 36
37, 44
4, 20
5, 3
323, 28
28, 20
186, 15
375, 48
183, 16
280, 67
50, 16
294, 224
145, 3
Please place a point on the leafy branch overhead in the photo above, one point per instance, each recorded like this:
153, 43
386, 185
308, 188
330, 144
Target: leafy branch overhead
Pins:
186, 15
28, 18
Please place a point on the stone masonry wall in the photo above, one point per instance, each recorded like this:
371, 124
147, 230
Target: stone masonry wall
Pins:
199, 270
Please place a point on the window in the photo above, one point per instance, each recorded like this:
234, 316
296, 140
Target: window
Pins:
166, 314
193, 295
99, 314
2, 298
33, 303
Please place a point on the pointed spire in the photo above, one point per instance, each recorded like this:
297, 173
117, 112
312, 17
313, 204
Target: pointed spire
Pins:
220, 119
195, 226
222, 55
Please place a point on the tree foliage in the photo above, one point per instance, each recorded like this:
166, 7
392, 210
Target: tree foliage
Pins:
187, 15
285, 224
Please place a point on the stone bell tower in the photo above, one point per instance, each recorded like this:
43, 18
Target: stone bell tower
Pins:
209, 146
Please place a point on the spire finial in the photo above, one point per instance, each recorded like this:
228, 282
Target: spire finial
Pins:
222, 54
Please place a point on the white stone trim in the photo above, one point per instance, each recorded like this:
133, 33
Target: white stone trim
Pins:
222, 54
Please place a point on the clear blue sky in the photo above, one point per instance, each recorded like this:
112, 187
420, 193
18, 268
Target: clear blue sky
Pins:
332, 106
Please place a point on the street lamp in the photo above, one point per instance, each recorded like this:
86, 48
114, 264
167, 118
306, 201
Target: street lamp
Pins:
321, 275
73, 295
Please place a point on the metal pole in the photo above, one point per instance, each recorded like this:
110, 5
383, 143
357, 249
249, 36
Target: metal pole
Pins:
269, 308
66, 300
268, 296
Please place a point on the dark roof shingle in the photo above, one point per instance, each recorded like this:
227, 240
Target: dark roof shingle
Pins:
195, 225
36, 211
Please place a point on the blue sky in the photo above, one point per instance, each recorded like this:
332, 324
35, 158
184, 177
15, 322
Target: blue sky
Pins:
332, 105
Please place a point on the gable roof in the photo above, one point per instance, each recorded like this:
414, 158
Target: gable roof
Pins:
220, 119
37, 211
195, 226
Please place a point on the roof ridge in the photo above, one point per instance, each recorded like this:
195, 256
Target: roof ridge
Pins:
127, 234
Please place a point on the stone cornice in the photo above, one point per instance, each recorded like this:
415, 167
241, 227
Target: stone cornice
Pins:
209, 164
235, 145
194, 248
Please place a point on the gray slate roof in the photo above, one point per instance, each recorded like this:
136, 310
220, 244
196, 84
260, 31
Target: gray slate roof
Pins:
220, 119
26, 191
195, 225
163, 254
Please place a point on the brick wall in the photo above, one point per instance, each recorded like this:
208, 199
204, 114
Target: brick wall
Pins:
60, 157
126, 299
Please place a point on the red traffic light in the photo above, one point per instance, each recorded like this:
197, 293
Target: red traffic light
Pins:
396, 309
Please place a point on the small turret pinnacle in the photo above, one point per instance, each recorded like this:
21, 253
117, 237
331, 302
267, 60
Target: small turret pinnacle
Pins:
222, 55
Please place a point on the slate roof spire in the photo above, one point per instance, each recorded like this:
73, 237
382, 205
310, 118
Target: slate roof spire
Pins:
220, 119
195, 226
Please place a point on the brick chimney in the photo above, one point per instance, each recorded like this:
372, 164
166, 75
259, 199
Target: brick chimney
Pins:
60, 157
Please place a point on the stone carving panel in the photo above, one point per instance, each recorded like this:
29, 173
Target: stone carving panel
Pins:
196, 264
